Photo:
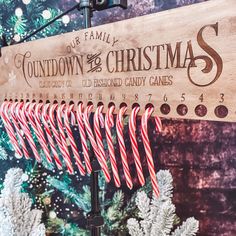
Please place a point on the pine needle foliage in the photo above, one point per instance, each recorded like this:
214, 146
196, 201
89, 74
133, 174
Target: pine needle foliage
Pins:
16, 216
82, 199
157, 216
189, 227
30, 20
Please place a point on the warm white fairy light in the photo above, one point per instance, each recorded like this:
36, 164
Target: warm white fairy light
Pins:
26, 2
46, 14
66, 19
18, 12
52, 214
17, 37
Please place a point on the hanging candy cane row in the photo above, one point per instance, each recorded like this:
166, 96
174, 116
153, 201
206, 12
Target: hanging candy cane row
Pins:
55, 120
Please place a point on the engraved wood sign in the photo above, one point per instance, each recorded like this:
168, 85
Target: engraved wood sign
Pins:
182, 61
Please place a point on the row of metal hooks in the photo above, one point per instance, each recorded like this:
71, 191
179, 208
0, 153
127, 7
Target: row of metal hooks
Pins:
52, 124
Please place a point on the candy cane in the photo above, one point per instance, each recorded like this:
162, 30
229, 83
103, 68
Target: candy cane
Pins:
18, 129
109, 122
9, 128
68, 111
124, 159
56, 134
158, 124
101, 160
96, 119
37, 114
79, 117
21, 116
45, 119
134, 144
144, 132
64, 149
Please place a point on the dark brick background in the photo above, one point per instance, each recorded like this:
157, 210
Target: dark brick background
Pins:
201, 157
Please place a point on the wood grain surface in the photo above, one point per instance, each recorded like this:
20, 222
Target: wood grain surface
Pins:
182, 61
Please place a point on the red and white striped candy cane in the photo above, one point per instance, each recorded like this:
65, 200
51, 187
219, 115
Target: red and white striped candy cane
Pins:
56, 134
68, 112
37, 115
101, 160
96, 120
146, 142
158, 124
79, 117
45, 119
120, 137
134, 144
21, 116
64, 148
9, 128
109, 123
18, 129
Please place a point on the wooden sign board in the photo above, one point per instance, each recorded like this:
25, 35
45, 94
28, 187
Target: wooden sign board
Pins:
183, 61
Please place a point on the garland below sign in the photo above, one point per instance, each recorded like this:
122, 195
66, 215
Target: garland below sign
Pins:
182, 61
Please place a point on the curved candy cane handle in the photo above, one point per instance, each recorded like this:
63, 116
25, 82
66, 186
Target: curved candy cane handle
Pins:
18, 129
79, 117
21, 115
37, 114
45, 119
120, 137
101, 160
52, 111
9, 128
64, 149
134, 144
68, 112
146, 142
98, 135
109, 122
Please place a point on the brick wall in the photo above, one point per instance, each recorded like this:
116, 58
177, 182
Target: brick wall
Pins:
201, 157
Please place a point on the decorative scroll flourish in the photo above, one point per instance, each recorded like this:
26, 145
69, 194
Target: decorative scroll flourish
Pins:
53, 126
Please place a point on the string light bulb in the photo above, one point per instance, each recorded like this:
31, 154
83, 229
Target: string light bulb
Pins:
46, 14
17, 37
18, 12
26, 2
66, 19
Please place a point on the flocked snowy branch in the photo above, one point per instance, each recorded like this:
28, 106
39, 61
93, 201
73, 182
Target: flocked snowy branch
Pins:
16, 216
157, 216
